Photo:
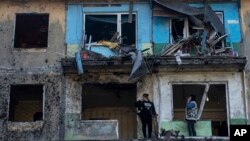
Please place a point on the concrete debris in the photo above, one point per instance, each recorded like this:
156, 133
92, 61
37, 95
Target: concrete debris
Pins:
208, 44
178, 58
207, 39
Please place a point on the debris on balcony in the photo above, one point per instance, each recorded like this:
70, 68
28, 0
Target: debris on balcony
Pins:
139, 69
109, 44
199, 33
107, 48
202, 33
172, 48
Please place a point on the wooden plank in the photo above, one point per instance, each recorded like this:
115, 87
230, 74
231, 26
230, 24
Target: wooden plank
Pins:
203, 101
165, 50
114, 38
175, 48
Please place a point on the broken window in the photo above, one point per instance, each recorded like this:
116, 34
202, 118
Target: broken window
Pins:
220, 15
128, 30
31, 30
179, 29
215, 109
26, 103
192, 37
101, 27
223, 42
104, 27
111, 101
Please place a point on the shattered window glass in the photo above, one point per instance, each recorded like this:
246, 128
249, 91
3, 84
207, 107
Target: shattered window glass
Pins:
221, 16
31, 30
177, 29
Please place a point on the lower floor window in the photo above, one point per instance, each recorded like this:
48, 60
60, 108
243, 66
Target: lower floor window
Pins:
26, 103
215, 109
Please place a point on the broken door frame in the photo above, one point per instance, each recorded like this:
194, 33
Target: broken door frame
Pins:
205, 83
135, 126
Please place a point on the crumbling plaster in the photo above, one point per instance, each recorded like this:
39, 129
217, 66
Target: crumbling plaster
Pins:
33, 66
159, 87
28, 58
53, 108
245, 21
74, 91
233, 81
74, 87
77, 129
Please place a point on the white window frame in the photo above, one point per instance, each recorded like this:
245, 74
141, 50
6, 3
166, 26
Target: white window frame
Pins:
119, 25
185, 29
218, 13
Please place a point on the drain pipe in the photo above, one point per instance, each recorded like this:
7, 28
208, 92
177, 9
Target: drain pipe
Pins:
245, 94
151, 28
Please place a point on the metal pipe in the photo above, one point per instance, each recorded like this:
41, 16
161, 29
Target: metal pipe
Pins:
245, 95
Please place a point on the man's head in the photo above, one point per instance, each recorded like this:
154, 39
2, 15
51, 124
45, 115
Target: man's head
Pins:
145, 96
192, 97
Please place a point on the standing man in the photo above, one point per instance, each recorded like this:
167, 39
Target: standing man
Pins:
191, 114
145, 110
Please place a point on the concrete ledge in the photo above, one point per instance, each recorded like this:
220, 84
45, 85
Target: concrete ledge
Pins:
203, 128
25, 126
101, 129
211, 138
168, 64
94, 130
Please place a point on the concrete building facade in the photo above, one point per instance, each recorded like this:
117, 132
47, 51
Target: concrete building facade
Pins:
37, 70
244, 11
44, 97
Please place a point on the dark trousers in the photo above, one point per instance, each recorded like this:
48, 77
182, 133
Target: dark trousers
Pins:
191, 129
146, 122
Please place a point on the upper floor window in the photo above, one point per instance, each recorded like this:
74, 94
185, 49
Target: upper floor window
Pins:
182, 28
105, 26
31, 30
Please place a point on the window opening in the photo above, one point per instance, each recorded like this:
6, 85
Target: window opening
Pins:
26, 103
215, 108
128, 30
31, 31
105, 26
101, 27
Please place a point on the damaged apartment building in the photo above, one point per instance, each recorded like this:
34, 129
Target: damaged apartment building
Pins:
73, 69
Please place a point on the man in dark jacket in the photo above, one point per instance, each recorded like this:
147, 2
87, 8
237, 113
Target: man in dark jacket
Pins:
145, 110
